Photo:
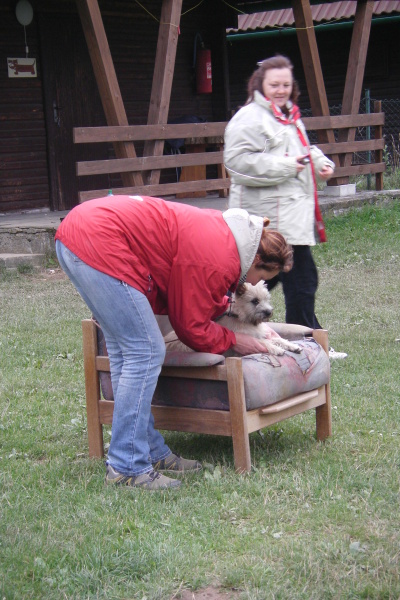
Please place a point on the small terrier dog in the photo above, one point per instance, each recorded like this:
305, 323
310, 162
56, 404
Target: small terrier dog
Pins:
249, 310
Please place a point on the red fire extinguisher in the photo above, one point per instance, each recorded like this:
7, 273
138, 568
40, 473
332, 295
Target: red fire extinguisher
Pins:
203, 67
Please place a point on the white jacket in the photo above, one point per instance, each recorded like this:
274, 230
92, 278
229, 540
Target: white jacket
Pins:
260, 156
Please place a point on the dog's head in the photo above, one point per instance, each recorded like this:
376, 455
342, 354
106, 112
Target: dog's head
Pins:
252, 303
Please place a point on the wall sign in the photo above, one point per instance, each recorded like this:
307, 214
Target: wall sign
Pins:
21, 67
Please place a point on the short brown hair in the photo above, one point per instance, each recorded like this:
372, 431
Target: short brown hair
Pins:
274, 62
274, 252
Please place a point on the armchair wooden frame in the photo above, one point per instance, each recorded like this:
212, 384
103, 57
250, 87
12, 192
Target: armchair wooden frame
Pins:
237, 422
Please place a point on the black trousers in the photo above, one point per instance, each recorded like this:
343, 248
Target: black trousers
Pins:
299, 288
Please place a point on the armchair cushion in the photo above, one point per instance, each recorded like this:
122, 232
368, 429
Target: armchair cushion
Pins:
267, 379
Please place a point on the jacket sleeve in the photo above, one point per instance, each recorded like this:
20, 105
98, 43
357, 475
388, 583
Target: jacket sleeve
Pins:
320, 160
248, 158
196, 296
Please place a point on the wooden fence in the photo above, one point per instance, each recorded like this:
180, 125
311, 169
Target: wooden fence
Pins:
204, 132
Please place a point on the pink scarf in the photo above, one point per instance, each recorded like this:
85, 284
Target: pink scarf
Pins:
292, 119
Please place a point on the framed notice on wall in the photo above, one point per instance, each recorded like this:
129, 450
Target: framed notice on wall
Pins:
21, 67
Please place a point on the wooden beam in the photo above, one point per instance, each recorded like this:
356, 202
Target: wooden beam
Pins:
162, 77
106, 78
121, 165
86, 135
355, 73
312, 66
163, 190
378, 153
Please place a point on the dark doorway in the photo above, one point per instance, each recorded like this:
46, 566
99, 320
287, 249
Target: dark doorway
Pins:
71, 99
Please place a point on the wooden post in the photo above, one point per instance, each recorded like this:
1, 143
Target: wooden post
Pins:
323, 413
378, 153
162, 77
107, 82
312, 67
92, 387
237, 409
355, 75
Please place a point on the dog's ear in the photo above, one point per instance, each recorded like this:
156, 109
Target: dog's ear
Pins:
240, 290
266, 222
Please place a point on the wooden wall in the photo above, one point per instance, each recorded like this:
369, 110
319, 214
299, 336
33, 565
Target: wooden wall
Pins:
23, 154
31, 171
27, 139
382, 74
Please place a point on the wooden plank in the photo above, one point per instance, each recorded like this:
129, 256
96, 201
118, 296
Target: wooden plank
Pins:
310, 57
106, 78
357, 58
237, 409
359, 146
84, 135
194, 420
106, 411
312, 66
192, 173
323, 413
120, 165
288, 403
167, 189
256, 421
215, 373
162, 77
355, 74
363, 169
92, 388
344, 121
102, 363
378, 153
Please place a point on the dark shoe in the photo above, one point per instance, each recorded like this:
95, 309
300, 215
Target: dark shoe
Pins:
146, 481
176, 464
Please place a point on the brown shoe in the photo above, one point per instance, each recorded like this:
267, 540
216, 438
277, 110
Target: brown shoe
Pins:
147, 481
176, 464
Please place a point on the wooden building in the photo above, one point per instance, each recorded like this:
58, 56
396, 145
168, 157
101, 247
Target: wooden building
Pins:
126, 63
260, 35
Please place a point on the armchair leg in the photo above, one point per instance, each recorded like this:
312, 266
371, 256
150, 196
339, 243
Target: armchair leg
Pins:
237, 406
95, 430
323, 413
324, 417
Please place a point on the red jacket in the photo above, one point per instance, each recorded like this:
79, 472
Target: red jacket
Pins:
184, 259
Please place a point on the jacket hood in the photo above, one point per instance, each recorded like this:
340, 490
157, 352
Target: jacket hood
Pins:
247, 230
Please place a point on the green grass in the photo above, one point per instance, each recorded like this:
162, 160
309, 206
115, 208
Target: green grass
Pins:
312, 521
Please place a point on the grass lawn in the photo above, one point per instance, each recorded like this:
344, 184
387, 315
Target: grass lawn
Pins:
312, 521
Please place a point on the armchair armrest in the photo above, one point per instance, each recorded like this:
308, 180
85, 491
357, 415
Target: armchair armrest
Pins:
290, 331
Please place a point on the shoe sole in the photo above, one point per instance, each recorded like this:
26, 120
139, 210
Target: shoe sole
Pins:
142, 487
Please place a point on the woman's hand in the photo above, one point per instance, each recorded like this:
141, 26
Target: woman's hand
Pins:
325, 173
246, 344
302, 161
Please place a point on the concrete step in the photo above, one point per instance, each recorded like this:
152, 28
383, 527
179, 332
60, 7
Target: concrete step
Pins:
14, 262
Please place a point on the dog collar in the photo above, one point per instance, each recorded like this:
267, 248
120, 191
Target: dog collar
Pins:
227, 314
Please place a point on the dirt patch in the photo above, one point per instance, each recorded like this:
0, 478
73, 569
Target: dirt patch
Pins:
209, 593
55, 274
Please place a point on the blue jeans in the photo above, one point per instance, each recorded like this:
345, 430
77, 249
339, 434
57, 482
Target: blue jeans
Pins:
136, 350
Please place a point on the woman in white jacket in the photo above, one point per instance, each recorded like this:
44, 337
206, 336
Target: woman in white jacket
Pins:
274, 173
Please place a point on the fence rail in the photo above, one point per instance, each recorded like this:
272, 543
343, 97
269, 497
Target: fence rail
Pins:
208, 135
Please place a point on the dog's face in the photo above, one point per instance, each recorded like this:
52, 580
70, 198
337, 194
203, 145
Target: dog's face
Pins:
252, 304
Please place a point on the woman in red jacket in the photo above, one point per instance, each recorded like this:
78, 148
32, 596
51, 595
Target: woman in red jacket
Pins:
131, 257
